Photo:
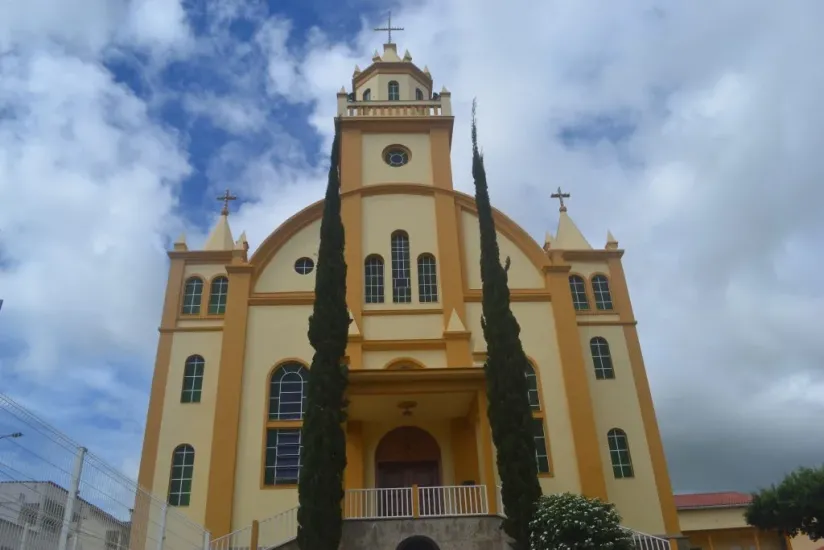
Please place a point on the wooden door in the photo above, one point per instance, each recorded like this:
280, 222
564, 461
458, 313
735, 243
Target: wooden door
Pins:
407, 456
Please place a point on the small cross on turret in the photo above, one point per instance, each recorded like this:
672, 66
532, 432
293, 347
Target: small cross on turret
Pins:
226, 197
560, 195
389, 28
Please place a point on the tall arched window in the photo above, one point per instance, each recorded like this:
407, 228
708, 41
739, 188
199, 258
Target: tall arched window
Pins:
373, 279
578, 288
192, 379
367, 94
427, 278
538, 433
619, 453
287, 392
532, 388
418, 94
217, 295
192, 295
600, 288
401, 270
180, 478
287, 403
541, 452
394, 91
601, 358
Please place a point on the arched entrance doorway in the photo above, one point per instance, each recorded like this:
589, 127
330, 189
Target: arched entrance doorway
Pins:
417, 543
407, 456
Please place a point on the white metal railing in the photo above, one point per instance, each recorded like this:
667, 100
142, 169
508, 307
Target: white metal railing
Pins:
456, 500
236, 540
643, 541
378, 503
278, 529
394, 108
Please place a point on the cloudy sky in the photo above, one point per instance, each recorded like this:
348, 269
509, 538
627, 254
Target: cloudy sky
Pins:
692, 131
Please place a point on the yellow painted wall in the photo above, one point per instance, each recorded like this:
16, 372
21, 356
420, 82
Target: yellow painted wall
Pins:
522, 273
384, 214
280, 274
389, 327
616, 406
189, 422
724, 528
587, 269
435, 359
417, 170
187, 323
712, 518
733, 539
274, 335
207, 272
379, 85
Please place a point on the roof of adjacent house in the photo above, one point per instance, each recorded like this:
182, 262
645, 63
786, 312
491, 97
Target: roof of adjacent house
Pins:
712, 500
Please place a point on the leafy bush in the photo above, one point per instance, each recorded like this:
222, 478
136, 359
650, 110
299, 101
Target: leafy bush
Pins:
573, 522
794, 506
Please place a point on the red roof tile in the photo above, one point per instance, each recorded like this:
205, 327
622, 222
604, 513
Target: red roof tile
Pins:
711, 500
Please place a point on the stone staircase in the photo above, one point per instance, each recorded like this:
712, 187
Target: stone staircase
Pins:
456, 533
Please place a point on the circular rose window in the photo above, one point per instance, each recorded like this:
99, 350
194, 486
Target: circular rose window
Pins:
395, 155
304, 266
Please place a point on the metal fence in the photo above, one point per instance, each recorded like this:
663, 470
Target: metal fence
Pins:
56, 495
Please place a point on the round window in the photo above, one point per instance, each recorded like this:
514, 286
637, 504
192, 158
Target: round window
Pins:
304, 266
396, 155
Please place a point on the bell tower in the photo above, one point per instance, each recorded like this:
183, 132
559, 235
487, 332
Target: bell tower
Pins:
399, 122
396, 139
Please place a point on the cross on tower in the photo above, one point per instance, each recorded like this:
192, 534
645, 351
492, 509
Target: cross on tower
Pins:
226, 197
389, 28
560, 195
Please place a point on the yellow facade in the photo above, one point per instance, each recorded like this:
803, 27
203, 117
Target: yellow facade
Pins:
723, 527
412, 364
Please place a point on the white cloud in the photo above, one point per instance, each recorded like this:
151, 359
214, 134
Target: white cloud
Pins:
89, 182
157, 24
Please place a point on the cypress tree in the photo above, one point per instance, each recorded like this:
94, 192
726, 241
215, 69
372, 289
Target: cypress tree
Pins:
510, 415
320, 487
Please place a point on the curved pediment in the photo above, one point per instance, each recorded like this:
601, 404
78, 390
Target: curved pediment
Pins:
296, 238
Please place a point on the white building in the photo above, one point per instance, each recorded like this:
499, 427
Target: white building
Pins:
31, 514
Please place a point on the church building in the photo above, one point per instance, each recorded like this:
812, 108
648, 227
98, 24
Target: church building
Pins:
222, 438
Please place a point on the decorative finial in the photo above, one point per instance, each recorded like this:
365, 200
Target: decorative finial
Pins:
389, 28
226, 197
548, 241
612, 242
180, 243
560, 195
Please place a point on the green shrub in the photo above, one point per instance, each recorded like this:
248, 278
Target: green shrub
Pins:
574, 522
